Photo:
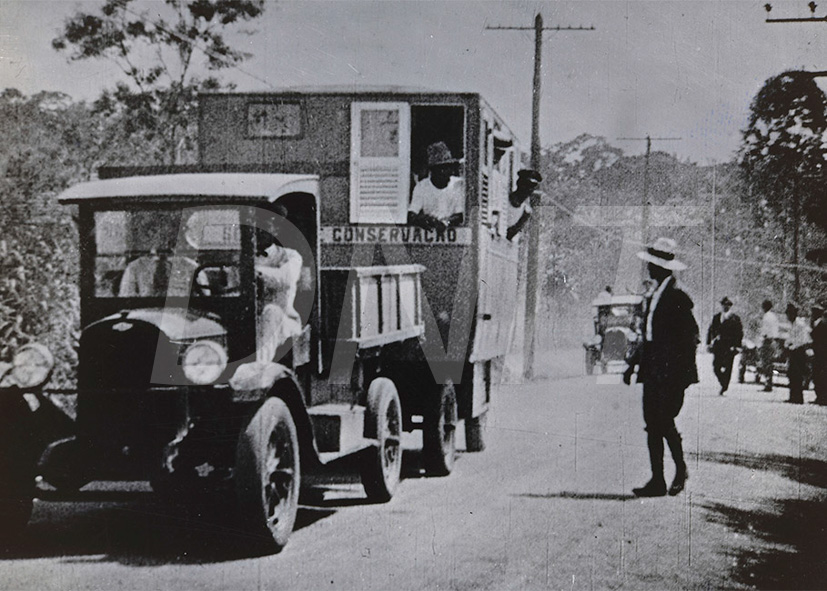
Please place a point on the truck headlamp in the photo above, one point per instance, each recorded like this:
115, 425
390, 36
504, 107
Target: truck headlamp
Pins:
31, 366
204, 362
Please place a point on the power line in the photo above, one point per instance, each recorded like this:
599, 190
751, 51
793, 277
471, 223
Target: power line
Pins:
644, 218
584, 221
206, 51
533, 243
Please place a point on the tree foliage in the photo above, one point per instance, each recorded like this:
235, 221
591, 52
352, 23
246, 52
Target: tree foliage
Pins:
784, 147
49, 142
158, 55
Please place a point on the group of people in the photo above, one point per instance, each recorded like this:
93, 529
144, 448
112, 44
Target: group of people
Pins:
438, 199
665, 361
725, 335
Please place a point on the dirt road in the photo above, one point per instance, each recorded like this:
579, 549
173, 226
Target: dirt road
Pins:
547, 505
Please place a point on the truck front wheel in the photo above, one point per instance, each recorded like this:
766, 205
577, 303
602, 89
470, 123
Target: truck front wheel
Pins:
267, 472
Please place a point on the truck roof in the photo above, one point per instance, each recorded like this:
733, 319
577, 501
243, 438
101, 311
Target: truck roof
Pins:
248, 186
348, 89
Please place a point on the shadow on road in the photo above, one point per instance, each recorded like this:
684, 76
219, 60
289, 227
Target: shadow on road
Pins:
579, 496
142, 532
804, 470
792, 553
786, 536
136, 527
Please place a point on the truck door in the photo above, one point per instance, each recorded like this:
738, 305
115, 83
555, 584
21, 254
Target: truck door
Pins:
499, 258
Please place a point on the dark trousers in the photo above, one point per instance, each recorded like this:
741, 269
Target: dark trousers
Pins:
820, 379
796, 367
722, 364
767, 353
661, 404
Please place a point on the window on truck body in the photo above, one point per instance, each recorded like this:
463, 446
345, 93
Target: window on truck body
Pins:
380, 162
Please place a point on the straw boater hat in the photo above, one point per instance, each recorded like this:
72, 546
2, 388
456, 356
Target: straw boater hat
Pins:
662, 254
439, 154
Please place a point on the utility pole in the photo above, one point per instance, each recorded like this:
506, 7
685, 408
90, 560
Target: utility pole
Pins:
644, 216
533, 263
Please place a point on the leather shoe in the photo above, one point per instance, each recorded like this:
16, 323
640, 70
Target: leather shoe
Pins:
653, 488
678, 483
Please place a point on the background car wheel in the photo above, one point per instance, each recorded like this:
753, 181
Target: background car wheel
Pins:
439, 433
382, 464
267, 472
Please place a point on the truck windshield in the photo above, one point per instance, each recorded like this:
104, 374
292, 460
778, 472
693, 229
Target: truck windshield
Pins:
167, 252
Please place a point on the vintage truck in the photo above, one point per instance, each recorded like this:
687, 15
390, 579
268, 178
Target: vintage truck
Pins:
398, 328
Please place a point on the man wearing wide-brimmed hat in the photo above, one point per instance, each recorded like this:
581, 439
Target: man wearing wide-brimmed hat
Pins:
438, 201
521, 201
723, 339
667, 365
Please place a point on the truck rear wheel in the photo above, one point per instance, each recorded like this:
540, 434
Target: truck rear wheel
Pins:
475, 432
439, 433
382, 465
267, 472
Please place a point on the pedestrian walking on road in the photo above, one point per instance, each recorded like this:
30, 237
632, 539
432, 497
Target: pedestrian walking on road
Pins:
723, 340
796, 344
769, 332
818, 334
667, 365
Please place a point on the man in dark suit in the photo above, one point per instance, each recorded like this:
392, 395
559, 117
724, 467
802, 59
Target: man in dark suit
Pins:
723, 339
667, 365
819, 337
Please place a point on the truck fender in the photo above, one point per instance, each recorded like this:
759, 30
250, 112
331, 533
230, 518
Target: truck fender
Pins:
260, 380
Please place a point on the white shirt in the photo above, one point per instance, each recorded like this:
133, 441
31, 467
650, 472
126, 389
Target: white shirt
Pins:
653, 303
799, 335
280, 270
440, 203
769, 325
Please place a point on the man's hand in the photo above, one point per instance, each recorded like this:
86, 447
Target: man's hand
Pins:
627, 375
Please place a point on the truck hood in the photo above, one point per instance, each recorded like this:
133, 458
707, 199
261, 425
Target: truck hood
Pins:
176, 323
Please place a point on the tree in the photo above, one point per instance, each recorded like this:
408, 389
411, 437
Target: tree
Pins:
158, 55
783, 152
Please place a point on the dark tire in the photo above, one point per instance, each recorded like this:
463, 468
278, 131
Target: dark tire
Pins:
16, 497
19, 452
475, 433
62, 467
439, 446
267, 473
14, 516
381, 465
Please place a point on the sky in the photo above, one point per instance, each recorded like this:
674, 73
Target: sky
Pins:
686, 70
